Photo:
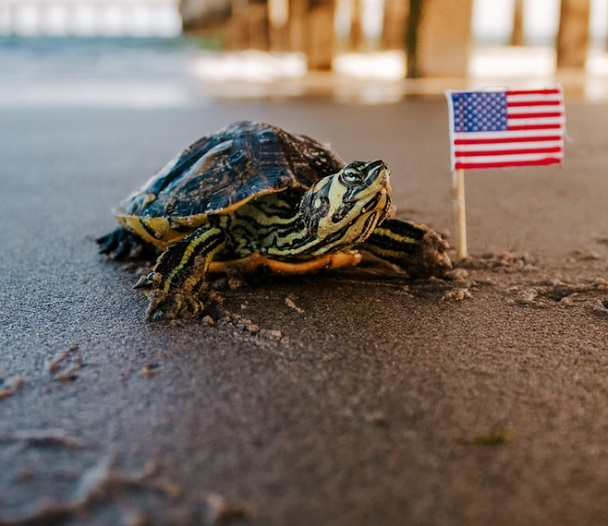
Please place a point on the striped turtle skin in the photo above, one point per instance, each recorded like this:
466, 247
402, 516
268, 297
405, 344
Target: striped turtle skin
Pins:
254, 195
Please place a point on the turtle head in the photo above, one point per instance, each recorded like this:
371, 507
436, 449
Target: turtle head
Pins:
342, 209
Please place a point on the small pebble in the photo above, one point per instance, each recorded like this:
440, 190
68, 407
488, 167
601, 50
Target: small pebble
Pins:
457, 295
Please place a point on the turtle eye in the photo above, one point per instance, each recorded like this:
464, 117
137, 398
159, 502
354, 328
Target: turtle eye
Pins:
351, 175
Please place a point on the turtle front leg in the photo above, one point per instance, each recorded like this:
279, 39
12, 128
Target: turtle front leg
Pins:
174, 285
418, 249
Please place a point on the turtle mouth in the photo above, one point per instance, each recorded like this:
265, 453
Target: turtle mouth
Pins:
377, 181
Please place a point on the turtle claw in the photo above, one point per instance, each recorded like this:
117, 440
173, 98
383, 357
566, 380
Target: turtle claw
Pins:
170, 306
435, 259
150, 281
121, 244
154, 311
431, 258
167, 304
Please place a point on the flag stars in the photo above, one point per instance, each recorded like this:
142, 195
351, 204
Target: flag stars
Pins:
480, 111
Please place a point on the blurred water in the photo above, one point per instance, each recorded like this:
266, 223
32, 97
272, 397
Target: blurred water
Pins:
135, 72
181, 72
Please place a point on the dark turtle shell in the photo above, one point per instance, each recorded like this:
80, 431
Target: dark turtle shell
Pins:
222, 171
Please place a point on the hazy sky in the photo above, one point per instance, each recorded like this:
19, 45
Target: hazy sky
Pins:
492, 19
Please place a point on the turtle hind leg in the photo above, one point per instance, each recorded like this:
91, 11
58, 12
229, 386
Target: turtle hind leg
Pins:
418, 249
173, 287
122, 244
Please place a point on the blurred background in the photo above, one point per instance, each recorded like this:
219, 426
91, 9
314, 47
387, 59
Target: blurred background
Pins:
165, 52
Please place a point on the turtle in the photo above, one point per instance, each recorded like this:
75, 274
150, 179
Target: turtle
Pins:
254, 195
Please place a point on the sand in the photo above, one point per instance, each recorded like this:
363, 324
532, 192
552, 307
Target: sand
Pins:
350, 398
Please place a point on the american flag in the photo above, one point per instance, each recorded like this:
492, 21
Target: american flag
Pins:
509, 128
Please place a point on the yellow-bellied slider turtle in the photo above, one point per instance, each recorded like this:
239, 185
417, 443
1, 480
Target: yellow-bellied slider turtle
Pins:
256, 195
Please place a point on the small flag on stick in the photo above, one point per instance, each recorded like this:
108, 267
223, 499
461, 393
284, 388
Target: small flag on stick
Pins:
502, 129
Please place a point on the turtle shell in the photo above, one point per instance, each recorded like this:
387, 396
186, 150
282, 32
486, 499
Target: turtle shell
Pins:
222, 171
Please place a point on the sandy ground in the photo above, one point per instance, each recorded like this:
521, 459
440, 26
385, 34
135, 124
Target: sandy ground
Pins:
353, 398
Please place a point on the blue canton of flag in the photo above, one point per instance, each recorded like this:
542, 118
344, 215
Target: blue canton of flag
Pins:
479, 111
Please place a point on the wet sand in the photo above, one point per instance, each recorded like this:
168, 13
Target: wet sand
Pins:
352, 398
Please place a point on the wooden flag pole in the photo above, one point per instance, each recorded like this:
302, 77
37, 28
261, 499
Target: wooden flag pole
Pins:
461, 215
